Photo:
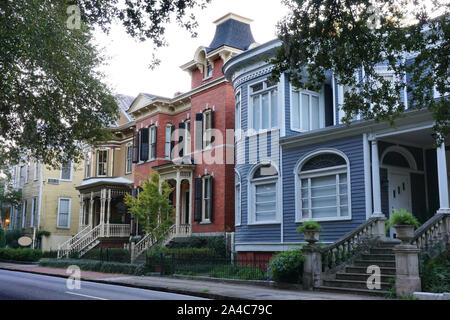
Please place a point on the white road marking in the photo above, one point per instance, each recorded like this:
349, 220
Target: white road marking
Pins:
85, 295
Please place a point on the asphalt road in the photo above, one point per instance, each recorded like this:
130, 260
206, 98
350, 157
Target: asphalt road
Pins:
26, 286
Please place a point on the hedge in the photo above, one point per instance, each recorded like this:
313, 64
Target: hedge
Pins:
108, 254
96, 265
287, 266
11, 238
216, 243
435, 275
2, 238
25, 254
182, 253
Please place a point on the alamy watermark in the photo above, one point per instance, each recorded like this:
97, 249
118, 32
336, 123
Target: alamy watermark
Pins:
374, 280
73, 282
74, 19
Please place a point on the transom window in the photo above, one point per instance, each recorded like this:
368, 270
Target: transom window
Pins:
307, 110
264, 105
323, 192
264, 191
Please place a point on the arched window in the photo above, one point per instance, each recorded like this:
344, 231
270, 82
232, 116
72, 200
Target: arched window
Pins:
323, 187
263, 202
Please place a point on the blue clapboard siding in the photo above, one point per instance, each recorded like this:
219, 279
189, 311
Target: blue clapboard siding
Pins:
332, 230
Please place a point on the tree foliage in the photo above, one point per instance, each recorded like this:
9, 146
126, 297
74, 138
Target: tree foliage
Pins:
152, 207
52, 99
348, 36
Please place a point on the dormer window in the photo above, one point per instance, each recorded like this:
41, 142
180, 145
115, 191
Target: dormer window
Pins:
208, 69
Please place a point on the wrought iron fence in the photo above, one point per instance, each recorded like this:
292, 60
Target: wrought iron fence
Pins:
210, 266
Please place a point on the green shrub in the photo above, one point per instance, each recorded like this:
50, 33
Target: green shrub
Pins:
20, 254
193, 254
216, 243
95, 265
11, 238
402, 217
109, 254
309, 225
436, 274
2, 238
50, 254
287, 266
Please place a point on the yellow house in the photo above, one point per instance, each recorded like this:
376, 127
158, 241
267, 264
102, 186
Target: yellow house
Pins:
50, 201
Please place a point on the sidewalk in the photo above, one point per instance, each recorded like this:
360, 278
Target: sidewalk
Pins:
201, 288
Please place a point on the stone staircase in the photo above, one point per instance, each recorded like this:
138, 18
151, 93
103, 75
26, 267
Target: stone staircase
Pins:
353, 279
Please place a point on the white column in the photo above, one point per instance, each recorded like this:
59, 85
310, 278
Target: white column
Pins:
442, 180
102, 209
177, 204
108, 212
376, 188
81, 218
91, 210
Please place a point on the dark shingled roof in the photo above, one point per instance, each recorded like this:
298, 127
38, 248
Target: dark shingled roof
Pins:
232, 33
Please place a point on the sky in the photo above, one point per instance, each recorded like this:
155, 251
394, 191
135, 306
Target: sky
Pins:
128, 69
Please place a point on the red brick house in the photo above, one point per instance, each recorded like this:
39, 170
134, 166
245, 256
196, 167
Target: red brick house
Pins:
189, 139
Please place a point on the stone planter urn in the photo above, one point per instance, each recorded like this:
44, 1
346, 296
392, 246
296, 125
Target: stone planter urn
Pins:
405, 232
311, 235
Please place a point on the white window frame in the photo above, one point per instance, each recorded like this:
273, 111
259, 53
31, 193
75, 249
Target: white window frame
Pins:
69, 213
61, 172
336, 170
237, 200
207, 133
36, 170
251, 191
208, 74
152, 135
238, 115
24, 212
250, 96
128, 160
33, 211
168, 142
97, 163
187, 137
204, 199
321, 97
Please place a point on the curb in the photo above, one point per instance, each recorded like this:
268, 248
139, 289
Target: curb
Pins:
147, 287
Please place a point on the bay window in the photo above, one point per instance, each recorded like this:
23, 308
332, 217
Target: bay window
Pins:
263, 106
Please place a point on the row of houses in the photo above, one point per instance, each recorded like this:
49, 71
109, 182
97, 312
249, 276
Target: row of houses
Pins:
244, 155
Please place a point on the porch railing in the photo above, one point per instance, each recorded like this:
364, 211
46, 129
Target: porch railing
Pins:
436, 230
118, 230
350, 245
65, 246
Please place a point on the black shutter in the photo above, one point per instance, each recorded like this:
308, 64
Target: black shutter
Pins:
144, 144
198, 141
198, 192
181, 137
211, 197
172, 141
136, 147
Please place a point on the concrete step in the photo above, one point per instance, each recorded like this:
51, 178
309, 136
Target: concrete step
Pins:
381, 251
360, 276
383, 257
353, 291
388, 244
388, 271
354, 284
380, 263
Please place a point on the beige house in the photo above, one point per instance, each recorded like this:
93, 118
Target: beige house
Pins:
50, 201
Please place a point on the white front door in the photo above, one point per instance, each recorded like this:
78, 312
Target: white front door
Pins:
399, 193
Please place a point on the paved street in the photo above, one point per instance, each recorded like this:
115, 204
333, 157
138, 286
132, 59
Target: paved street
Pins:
25, 286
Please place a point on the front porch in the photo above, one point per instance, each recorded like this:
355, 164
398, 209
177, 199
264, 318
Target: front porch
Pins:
408, 172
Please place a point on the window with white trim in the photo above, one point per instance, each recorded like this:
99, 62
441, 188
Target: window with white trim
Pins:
187, 137
207, 199
264, 195
237, 115
102, 163
129, 159
33, 211
168, 145
66, 171
153, 142
237, 200
324, 188
263, 113
209, 69
63, 220
207, 128
307, 110
36, 170
24, 213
